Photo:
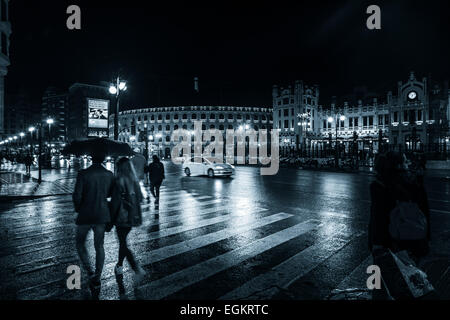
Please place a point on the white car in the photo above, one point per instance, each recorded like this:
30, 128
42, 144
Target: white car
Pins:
202, 166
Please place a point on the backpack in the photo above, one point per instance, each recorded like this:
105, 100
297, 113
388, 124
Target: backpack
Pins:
407, 222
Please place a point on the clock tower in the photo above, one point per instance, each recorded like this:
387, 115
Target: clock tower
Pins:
410, 116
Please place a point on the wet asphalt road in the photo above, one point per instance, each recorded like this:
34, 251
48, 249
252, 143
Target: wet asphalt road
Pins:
296, 235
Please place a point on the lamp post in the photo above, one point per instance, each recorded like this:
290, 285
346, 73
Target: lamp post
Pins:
116, 89
146, 141
331, 120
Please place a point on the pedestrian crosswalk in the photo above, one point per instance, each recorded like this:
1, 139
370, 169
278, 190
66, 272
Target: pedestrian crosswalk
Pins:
205, 246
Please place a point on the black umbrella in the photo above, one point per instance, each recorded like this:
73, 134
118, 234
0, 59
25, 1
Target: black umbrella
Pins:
97, 145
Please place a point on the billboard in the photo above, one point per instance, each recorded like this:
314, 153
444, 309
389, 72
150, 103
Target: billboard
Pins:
98, 112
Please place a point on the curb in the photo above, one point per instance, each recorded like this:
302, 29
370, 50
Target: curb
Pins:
30, 197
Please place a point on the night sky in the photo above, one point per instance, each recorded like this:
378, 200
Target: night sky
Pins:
238, 49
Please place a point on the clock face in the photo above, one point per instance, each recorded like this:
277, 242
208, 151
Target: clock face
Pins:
412, 95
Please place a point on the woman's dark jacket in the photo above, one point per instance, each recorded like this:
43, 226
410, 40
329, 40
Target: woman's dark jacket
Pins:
126, 205
383, 201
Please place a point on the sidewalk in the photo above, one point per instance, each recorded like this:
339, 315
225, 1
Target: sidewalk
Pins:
16, 184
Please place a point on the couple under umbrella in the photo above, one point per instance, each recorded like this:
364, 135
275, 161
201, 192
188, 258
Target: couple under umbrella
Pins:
94, 187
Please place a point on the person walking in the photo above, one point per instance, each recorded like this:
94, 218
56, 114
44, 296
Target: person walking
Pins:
156, 177
139, 164
393, 188
28, 162
126, 213
93, 188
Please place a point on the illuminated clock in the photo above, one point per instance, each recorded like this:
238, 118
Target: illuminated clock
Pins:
412, 95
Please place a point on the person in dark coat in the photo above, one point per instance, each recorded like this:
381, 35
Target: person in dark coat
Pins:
28, 162
393, 183
156, 176
93, 187
126, 213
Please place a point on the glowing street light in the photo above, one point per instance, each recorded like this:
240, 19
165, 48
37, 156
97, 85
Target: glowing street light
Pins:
115, 89
330, 120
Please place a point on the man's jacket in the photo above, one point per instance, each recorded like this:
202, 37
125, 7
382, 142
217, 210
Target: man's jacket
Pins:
93, 187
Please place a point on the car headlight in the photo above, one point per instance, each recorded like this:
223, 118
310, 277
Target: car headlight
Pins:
220, 168
232, 167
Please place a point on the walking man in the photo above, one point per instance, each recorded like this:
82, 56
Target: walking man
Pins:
156, 176
93, 187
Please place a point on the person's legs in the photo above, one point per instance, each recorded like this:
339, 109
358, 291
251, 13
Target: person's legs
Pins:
99, 237
124, 251
152, 189
81, 234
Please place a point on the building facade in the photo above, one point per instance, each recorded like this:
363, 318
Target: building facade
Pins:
77, 110
54, 106
160, 122
415, 118
5, 33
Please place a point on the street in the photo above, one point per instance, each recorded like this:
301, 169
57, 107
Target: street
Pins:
297, 235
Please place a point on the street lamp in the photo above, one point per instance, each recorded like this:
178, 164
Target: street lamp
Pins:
331, 120
116, 89
50, 121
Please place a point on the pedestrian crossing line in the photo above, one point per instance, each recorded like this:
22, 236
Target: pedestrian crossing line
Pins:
187, 227
177, 281
194, 218
289, 271
181, 216
147, 222
177, 200
146, 208
183, 207
142, 238
167, 252
440, 211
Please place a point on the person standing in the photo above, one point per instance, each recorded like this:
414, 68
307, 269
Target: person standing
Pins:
93, 187
126, 213
28, 162
156, 176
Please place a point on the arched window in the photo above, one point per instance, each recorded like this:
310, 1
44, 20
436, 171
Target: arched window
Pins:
167, 138
159, 128
230, 116
221, 127
264, 118
194, 116
256, 128
175, 127
221, 116
203, 116
203, 127
184, 127
247, 117
167, 116
159, 117
212, 126
239, 116
152, 118
184, 116
230, 126
167, 128
212, 116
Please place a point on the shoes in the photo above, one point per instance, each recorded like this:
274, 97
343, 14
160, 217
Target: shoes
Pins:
139, 276
95, 287
118, 270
